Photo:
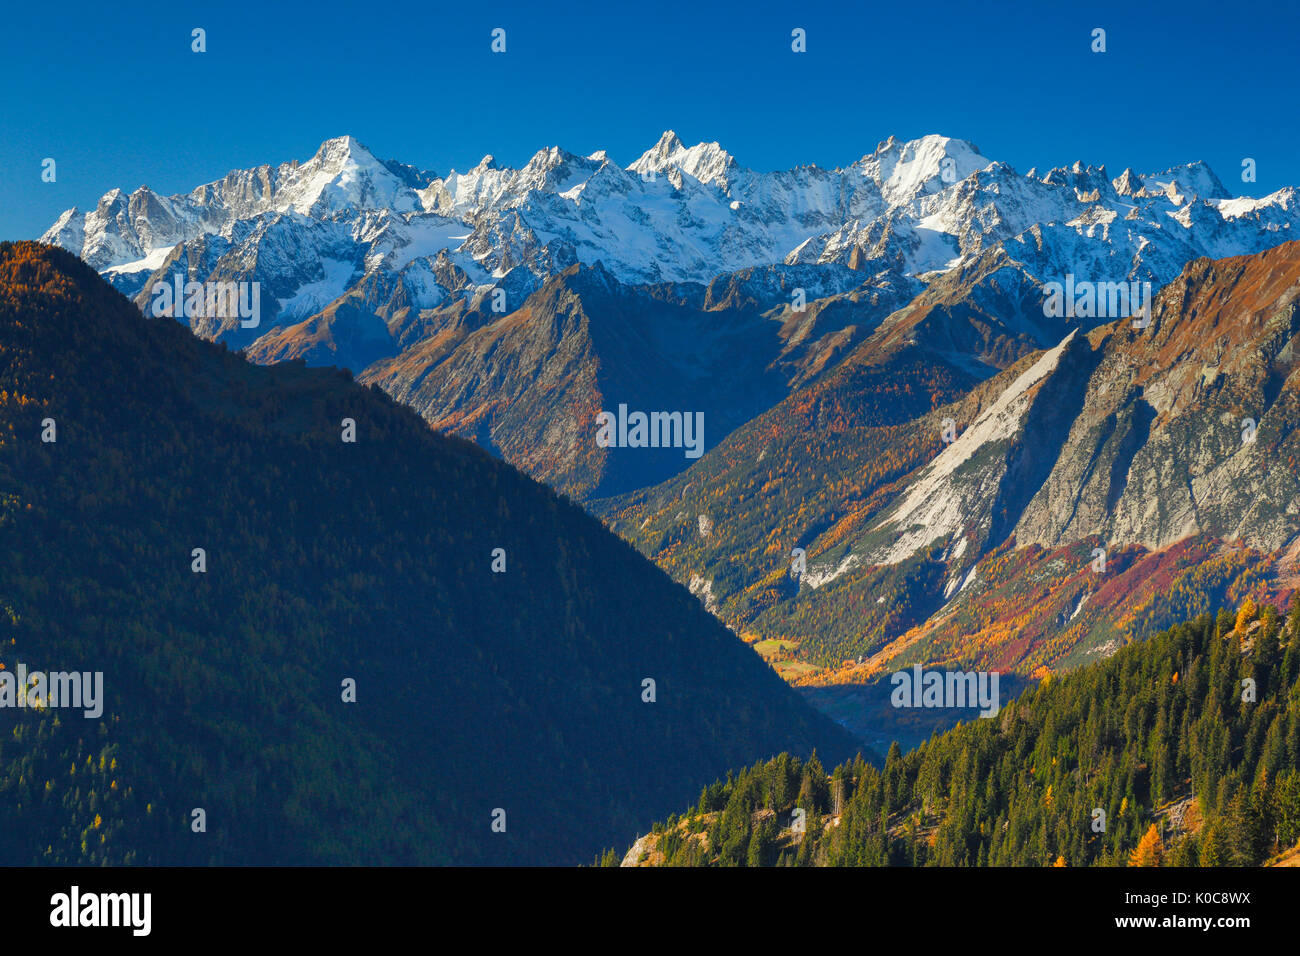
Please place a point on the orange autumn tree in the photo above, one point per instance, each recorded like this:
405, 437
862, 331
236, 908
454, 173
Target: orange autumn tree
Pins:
1246, 613
1150, 849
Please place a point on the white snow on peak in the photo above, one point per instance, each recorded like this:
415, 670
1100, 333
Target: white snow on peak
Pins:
706, 163
904, 170
679, 213
150, 263
344, 175
1284, 199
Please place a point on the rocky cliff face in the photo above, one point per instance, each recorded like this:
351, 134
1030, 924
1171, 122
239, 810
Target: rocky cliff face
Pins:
1129, 474
1190, 425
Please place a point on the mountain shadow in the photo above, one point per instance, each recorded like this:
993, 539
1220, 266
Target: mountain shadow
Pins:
393, 650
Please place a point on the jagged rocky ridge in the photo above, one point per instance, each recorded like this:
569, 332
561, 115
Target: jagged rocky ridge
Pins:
510, 305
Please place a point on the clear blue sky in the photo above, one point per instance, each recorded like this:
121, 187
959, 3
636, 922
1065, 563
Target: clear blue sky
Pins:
117, 98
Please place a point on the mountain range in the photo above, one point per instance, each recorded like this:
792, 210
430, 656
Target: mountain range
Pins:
512, 305
909, 455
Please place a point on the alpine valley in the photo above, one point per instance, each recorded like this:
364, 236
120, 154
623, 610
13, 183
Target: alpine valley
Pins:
396, 650
908, 457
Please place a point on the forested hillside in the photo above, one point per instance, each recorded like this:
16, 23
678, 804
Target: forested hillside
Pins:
1183, 749
126, 444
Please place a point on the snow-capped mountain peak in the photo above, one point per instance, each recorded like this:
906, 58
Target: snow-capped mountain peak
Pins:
904, 170
313, 230
344, 176
706, 163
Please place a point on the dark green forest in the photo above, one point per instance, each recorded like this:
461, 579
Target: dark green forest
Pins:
1188, 743
325, 561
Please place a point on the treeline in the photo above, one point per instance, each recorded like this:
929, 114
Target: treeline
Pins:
1183, 749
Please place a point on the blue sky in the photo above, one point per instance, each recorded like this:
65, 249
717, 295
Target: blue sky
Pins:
117, 98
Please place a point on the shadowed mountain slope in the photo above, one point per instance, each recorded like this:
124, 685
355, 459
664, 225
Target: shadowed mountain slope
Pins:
325, 562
